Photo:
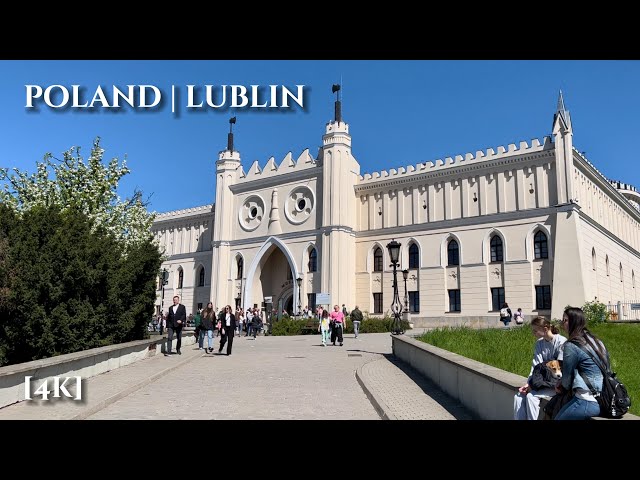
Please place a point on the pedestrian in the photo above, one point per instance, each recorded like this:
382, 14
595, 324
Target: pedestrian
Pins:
580, 372
356, 318
228, 325
526, 403
176, 318
199, 331
162, 321
505, 314
208, 317
323, 327
337, 318
518, 317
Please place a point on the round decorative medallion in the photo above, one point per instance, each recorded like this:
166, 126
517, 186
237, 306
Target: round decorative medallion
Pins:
251, 213
299, 205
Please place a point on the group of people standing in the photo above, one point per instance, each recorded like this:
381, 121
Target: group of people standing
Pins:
581, 375
333, 324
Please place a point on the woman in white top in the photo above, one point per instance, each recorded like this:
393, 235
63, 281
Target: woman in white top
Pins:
526, 403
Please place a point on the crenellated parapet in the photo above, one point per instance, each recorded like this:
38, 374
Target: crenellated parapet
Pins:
274, 169
187, 212
500, 153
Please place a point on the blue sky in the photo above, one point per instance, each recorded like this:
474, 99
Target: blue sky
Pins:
400, 113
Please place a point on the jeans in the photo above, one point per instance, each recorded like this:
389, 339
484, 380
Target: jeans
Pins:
178, 332
201, 334
325, 335
356, 327
578, 409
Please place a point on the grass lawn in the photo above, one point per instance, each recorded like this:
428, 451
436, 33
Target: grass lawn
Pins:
512, 349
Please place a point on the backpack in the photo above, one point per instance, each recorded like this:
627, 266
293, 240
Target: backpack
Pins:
614, 399
504, 313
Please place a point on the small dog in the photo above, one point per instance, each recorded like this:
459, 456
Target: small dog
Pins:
556, 369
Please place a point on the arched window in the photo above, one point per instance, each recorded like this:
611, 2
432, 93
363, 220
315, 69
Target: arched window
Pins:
453, 254
496, 249
180, 278
377, 260
606, 262
594, 263
201, 277
621, 275
313, 260
633, 279
540, 247
414, 256
240, 267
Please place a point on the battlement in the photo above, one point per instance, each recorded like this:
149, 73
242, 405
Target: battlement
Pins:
623, 186
460, 160
272, 169
187, 212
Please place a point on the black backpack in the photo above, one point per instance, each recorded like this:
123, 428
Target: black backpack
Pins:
614, 399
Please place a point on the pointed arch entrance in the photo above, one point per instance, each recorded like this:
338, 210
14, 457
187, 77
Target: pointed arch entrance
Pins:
272, 273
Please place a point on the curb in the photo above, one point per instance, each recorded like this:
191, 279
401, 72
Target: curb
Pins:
380, 407
129, 390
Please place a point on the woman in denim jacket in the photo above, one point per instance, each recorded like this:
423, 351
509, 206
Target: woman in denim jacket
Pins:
578, 364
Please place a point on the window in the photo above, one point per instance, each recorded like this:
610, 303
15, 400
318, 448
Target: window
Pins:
377, 260
621, 275
240, 267
377, 303
313, 260
453, 254
593, 259
543, 297
497, 298
606, 262
414, 256
311, 301
496, 249
201, 279
454, 301
633, 279
540, 245
414, 302
180, 278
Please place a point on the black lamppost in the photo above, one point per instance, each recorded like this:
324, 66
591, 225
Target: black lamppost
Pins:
299, 282
396, 306
165, 280
405, 275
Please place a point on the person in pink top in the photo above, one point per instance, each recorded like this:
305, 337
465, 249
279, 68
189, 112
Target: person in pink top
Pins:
337, 319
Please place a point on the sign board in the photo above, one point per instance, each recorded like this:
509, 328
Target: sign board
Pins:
323, 299
635, 306
268, 299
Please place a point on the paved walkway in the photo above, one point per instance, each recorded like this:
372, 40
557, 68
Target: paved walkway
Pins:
265, 378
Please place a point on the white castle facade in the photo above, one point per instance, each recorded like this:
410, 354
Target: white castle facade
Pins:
534, 224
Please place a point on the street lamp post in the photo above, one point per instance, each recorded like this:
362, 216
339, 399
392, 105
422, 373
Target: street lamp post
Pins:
396, 306
165, 280
299, 282
405, 275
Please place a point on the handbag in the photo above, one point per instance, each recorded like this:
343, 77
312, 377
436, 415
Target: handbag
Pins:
554, 405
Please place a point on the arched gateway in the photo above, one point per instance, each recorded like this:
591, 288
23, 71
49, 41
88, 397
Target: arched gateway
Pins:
272, 274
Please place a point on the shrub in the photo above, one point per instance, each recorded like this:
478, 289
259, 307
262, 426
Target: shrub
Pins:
595, 313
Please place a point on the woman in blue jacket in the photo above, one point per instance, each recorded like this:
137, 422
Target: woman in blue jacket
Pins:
578, 365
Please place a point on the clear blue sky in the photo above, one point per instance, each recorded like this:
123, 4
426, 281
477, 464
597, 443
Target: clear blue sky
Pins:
400, 113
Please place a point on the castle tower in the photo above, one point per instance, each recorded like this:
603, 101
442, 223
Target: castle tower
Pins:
340, 173
569, 275
227, 170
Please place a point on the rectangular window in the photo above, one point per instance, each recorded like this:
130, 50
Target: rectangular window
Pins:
497, 298
414, 302
454, 301
377, 303
543, 297
311, 301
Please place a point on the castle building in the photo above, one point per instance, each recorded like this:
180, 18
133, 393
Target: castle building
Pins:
534, 224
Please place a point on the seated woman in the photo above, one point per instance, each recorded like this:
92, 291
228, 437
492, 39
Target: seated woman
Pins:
579, 365
526, 403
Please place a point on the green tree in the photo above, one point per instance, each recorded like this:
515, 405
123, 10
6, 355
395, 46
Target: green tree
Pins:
72, 287
87, 186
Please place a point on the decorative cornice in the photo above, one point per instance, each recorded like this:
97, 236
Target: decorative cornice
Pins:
187, 212
478, 168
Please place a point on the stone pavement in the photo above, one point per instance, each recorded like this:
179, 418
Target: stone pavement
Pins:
265, 378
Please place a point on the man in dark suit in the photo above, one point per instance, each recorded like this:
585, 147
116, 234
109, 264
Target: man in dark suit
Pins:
228, 325
176, 319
